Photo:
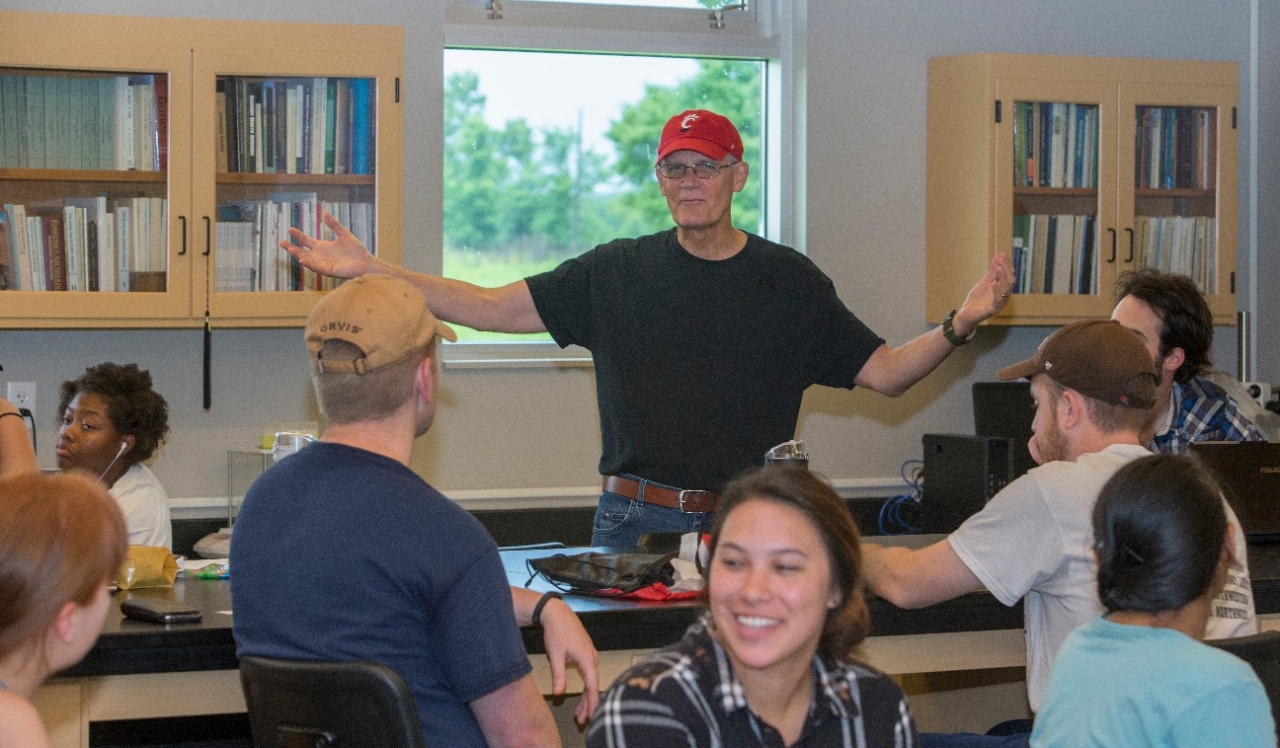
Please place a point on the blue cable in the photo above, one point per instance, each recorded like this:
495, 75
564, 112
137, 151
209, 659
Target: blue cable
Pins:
893, 518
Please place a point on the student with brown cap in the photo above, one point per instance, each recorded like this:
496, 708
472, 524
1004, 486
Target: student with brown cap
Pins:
341, 552
1093, 383
704, 336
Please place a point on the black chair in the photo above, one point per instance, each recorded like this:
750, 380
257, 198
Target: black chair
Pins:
295, 704
1262, 652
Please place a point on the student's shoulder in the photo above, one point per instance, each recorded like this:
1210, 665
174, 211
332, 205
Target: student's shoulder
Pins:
20, 723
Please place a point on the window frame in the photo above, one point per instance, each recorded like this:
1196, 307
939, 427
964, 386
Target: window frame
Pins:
756, 33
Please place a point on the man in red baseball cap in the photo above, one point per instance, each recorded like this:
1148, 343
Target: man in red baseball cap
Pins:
704, 336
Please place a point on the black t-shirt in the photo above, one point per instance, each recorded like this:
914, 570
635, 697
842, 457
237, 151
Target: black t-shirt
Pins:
700, 365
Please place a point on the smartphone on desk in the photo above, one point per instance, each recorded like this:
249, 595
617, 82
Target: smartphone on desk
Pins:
155, 610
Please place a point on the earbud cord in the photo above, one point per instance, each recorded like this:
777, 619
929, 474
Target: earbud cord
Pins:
123, 447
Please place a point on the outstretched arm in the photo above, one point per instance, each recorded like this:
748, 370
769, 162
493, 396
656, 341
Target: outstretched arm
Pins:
508, 308
892, 371
566, 641
916, 578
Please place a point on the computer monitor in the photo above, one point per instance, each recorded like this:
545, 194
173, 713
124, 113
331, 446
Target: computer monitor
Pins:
1006, 409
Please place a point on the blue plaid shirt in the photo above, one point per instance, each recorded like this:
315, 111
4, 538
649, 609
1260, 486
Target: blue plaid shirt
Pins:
1203, 412
687, 696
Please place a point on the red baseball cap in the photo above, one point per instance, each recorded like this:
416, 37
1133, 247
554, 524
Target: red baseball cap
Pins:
708, 133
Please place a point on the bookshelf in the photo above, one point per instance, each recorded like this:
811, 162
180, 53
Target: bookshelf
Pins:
162, 159
1080, 168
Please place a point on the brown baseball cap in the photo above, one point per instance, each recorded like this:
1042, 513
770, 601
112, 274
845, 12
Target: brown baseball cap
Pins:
385, 317
1098, 358
706, 132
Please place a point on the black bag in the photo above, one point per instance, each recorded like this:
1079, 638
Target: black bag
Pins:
592, 570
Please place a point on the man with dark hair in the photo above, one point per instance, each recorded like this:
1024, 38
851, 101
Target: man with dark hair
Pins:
1093, 383
343, 553
1170, 315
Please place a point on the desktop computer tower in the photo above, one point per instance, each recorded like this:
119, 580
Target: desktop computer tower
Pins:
961, 472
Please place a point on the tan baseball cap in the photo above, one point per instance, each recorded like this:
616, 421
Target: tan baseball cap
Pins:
385, 317
1098, 358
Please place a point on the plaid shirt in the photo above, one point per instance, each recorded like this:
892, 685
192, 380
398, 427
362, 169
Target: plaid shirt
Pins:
688, 695
1203, 411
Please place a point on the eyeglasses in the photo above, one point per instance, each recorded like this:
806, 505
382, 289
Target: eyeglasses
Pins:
701, 169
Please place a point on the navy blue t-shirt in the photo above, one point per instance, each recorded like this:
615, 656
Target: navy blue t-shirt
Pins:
700, 365
342, 554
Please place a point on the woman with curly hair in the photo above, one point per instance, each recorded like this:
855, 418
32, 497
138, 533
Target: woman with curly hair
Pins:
112, 421
772, 661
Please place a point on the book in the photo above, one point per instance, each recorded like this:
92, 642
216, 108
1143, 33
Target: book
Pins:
330, 116
342, 125
106, 123
74, 247
124, 242
9, 268
34, 245
161, 109
222, 161
100, 242
55, 252
361, 121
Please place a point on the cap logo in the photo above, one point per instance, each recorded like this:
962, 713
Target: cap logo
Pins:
340, 327
688, 121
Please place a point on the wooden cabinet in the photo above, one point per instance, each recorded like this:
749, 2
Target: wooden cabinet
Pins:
161, 99
1081, 168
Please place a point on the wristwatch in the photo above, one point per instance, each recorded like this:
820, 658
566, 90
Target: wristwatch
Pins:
949, 332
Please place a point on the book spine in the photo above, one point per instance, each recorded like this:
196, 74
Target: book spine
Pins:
361, 119
162, 122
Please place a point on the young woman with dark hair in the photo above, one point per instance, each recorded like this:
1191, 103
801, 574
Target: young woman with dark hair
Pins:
1139, 675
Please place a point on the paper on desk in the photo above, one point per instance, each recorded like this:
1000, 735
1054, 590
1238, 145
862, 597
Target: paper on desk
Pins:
212, 568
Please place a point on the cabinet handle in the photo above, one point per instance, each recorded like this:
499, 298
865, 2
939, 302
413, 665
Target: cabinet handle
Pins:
183, 221
1129, 259
208, 247
1113, 244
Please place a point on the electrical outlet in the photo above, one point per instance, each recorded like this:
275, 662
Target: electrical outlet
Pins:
23, 395
1260, 391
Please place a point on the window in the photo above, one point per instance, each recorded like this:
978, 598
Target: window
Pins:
549, 151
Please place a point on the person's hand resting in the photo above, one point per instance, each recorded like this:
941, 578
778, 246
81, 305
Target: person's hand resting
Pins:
566, 641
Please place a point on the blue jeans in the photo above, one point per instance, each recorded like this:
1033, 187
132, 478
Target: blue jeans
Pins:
620, 522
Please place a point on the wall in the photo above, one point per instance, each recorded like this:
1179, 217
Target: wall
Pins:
504, 431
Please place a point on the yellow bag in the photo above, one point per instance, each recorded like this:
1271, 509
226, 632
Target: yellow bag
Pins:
147, 566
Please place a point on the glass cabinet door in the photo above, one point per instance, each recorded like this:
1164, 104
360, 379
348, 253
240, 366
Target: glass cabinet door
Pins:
88, 191
1054, 205
282, 144
1181, 186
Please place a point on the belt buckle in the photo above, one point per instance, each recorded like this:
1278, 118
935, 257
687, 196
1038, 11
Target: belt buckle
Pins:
684, 491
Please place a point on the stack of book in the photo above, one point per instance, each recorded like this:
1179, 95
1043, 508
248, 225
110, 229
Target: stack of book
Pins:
90, 244
295, 125
108, 122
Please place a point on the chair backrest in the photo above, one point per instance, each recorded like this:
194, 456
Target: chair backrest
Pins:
1262, 652
294, 704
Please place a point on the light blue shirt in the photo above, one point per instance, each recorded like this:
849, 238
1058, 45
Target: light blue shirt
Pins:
1118, 685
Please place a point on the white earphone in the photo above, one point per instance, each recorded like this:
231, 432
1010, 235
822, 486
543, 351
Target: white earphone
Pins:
123, 447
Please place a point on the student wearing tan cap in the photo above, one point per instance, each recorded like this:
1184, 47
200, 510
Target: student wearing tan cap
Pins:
1093, 384
704, 337
342, 552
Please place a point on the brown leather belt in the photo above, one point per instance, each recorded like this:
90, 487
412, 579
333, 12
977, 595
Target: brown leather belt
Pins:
686, 500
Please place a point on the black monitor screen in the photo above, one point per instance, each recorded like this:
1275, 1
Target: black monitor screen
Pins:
1005, 409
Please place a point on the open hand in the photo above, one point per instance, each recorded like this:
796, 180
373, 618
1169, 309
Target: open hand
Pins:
344, 256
